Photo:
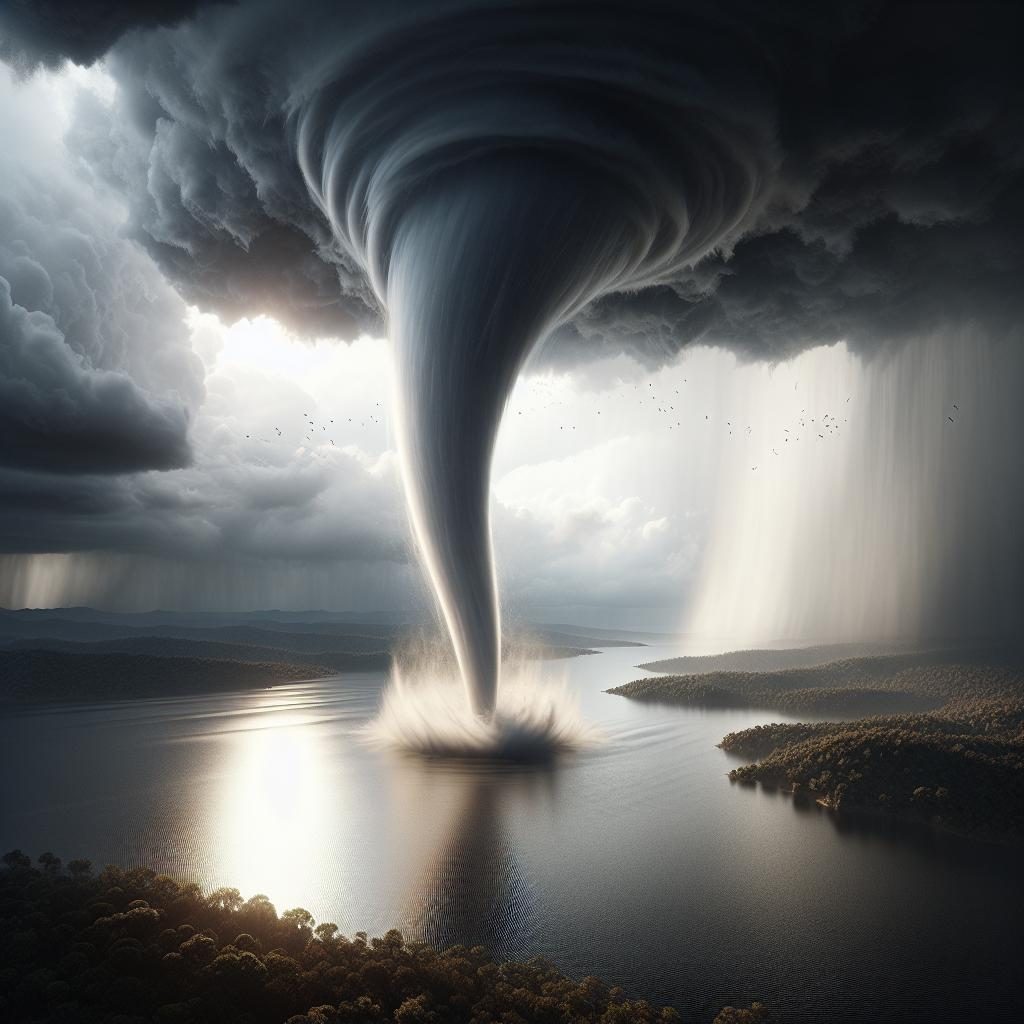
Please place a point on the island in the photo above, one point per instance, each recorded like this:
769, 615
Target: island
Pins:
956, 761
850, 686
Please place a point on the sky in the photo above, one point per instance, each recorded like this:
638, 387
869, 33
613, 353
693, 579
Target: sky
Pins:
274, 512
770, 428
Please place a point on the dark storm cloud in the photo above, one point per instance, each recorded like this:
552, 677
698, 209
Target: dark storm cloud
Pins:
49, 32
898, 207
58, 413
891, 133
96, 374
887, 131
218, 510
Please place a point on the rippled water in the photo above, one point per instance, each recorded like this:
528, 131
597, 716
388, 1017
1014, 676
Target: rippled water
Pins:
636, 860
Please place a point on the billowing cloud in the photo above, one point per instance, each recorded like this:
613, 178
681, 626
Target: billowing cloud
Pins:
889, 139
96, 371
49, 32
271, 477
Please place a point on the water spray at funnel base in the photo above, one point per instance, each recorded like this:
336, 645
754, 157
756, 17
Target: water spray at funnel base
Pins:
424, 711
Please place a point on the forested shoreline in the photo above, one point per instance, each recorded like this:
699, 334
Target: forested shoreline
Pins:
46, 677
958, 766
131, 946
960, 769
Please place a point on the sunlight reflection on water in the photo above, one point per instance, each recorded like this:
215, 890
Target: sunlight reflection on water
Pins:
277, 791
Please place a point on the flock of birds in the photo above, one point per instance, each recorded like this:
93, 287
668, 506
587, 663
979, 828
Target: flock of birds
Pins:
308, 429
541, 394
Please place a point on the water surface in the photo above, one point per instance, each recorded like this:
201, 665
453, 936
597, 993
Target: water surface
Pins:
636, 861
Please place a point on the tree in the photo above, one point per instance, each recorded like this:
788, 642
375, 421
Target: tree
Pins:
79, 868
754, 1014
17, 859
50, 863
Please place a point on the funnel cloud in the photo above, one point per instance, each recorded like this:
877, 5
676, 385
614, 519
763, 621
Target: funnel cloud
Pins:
490, 206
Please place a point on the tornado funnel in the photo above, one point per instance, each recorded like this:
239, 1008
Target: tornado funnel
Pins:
489, 178
480, 270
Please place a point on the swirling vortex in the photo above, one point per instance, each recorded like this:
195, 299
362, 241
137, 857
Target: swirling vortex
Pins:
493, 168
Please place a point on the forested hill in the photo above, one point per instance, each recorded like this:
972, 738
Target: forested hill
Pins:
911, 681
795, 658
48, 676
82, 654
133, 946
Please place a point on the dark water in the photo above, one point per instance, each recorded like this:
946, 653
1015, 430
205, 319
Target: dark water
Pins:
637, 861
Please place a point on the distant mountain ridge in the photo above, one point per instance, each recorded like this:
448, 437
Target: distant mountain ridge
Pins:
84, 613
41, 677
82, 654
85, 625
782, 659
177, 647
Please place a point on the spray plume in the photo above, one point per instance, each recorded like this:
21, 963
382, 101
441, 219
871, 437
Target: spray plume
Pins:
489, 198
424, 711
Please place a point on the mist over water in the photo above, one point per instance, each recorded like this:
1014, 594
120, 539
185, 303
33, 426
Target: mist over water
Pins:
901, 522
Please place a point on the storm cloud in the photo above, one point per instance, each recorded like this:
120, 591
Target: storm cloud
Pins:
96, 370
888, 141
46, 33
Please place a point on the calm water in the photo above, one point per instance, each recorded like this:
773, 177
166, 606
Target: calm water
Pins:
636, 861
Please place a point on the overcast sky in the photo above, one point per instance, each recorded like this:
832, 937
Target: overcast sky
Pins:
291, 497
773, 419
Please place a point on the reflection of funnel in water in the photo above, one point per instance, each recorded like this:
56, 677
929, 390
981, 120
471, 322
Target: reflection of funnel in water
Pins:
424, 711
473, 890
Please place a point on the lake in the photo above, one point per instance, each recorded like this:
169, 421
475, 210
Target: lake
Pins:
636, 861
